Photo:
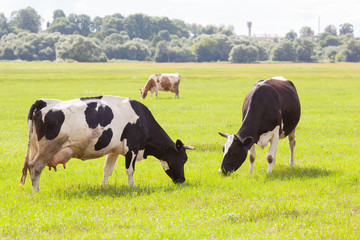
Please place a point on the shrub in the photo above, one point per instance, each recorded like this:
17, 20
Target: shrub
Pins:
80, 49
243, 54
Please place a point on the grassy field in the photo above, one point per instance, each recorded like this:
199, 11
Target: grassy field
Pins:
319, 198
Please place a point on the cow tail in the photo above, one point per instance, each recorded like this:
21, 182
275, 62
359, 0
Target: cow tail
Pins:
38, 105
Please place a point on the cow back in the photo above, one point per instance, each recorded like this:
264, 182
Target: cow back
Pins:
290, 103
270, 103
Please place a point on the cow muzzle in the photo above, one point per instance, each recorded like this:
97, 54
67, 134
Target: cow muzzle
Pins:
182, 180
175, 180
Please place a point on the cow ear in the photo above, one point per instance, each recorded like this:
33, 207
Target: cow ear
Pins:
248, 142
225, 135
179, 145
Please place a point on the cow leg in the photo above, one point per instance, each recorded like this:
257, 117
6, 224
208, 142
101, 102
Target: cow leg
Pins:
176, 93
109, 166
130, 158
270, 156
156, 92
35, 169
292, 146
252, 158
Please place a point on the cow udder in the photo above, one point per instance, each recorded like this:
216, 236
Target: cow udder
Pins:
61, 157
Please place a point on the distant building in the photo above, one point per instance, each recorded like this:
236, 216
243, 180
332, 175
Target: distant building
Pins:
260, 37
264, 37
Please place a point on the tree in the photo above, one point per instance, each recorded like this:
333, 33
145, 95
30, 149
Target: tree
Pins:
174, 27
352, 51
205, 49
58, 13
162, 53
331, 29
7, 53
291, 35
346, 28
112, 24
237, 40
29, 46
330, 40
81, 22
26, 19
166, 53
228, 31
304, 49
332, 53
164, 35
117, 38
194, 29
263, 53
209, 30
139, 26
182, 55
306, 32
223, 48
96, 25
284, 51
243, 54
80, 49
62, 25
136, 50
214, 47
4, 26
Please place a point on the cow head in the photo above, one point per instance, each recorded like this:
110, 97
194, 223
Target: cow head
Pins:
143, 93
174, 160
235, 152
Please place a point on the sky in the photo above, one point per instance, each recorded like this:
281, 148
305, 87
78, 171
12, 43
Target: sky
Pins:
276, 17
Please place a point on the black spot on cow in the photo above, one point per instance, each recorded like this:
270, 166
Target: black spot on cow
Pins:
104, 139
37, 106
137, 134
128, 158
97, 113
145, 133
85, 99
51, 125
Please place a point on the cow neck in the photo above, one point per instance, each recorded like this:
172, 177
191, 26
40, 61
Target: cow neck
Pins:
150, 83
157, 140
159, 144
249, 127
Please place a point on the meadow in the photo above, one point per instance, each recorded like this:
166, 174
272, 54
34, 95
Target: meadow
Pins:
318, 198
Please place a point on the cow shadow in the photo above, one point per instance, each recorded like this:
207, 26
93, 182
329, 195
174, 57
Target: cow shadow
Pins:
292, 172
116, 191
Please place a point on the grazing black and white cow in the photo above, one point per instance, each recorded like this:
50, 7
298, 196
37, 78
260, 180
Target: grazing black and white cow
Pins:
88, 128
271, 111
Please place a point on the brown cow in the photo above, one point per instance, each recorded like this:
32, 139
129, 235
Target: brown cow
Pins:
161, 82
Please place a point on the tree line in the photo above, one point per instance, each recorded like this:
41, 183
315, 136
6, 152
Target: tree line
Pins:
160, 39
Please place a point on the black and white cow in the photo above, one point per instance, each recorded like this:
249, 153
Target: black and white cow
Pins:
271, 111
88, 128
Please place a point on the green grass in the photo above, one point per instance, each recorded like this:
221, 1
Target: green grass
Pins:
319, 198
